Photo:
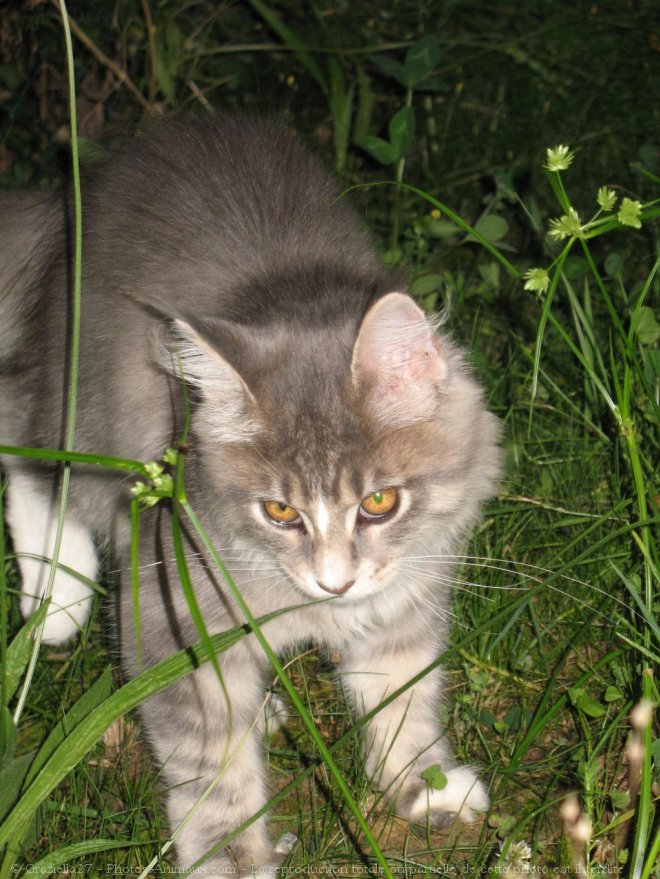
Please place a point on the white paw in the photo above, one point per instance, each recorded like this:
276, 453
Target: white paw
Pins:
285, 844
33, 524
276, 713
70, 605
464, 796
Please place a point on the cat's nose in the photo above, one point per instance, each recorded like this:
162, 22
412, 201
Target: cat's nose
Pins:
338, 590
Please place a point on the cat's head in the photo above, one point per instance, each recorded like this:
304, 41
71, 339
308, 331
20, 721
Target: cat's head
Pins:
340, 450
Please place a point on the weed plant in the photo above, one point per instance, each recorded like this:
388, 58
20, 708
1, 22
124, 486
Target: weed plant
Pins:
556, 635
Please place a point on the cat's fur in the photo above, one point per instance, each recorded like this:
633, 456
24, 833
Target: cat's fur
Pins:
220, 246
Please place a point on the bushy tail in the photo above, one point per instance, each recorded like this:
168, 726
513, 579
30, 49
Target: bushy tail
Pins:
30, 224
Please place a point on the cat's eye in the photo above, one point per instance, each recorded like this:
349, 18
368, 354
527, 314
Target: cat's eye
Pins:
281, 514
379, 504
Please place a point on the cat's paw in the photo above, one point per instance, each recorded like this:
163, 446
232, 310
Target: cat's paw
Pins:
261, 858
238, 868
69, 609
464, 797
33, 526
276, 713
71, 597
268, 863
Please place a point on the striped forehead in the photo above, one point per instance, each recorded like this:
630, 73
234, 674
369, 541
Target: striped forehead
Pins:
324, 493
322, 515
330, 520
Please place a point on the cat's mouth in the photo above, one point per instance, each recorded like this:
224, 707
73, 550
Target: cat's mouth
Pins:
353, 591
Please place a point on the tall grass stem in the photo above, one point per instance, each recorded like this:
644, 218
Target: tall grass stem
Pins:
74, 359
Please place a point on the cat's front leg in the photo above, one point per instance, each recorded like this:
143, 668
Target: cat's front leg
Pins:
32, 514
405, 737
211, 758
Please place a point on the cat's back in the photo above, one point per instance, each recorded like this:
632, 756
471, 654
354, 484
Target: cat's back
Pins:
30, 235
226, 218
218, 201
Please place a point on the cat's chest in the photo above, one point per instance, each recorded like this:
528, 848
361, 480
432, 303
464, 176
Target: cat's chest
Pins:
337, 624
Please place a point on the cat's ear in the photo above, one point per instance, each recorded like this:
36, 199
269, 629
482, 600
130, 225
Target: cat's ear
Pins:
398, 360
231, 405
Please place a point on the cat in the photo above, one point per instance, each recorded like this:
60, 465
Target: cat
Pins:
339, 449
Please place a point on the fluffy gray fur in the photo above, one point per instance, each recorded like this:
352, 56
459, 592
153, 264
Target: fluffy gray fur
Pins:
220, 246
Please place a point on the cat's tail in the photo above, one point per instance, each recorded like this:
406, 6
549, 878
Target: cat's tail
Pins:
30, 225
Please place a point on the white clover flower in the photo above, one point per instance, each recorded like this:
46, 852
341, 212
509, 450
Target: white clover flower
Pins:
629, 213
537, 280
516, 860
558, 158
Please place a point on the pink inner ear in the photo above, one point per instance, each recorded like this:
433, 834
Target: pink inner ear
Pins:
397, 350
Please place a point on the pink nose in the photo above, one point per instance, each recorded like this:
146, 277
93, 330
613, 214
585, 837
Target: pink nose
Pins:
340, 590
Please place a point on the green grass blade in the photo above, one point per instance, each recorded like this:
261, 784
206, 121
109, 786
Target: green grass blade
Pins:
100, 690
61, 455
585, 332
19, 652
557, 185
585, 365
645, 611
77, 242
652, 859
341, 108
74, 358
543, 320
635, 646
12, 779
135, 578
76, 745
6, 722
547, 709
61, 856
453, 216
187, 585
645, 809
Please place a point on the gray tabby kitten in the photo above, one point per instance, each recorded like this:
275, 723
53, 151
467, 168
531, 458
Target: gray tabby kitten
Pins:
339, 449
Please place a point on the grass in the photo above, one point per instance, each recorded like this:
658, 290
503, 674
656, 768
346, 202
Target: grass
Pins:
556, 606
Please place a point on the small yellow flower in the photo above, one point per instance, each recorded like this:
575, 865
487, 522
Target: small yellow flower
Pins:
159, 481
569, 225
629, 213
170, 456
606, 198
537, 280
436, 214
558, 158
142, 492
154, 469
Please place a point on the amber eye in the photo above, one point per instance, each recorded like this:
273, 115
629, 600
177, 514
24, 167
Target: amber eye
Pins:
379, 504
281, 514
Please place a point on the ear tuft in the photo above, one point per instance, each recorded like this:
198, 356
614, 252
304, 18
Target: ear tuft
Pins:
228, 402
398, 360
